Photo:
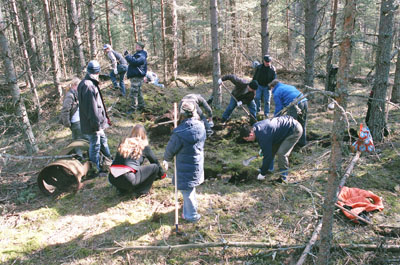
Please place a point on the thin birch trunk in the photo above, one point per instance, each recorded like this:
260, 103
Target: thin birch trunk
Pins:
217, 93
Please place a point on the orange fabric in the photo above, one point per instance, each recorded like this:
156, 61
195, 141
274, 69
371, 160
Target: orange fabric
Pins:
359, 200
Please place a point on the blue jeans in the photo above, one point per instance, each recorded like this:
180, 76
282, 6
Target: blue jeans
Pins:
121, 72
190, 205
263, 90
232, 105
97, 142
301, 118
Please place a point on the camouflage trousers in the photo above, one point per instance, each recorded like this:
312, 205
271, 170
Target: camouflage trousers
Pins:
136, 93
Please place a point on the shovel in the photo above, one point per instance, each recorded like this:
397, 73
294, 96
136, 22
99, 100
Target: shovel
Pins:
247, 161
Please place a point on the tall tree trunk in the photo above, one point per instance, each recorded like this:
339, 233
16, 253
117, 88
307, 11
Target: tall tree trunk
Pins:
28, 69
153, 34
377, 122
58, 34
164, 44
310, 17
134, 23
108, 23
75, 35
396, 86
332, 32
30, 37
288, 34
53, 49
171, 21
339, 126
233, 52
215, 53
11, 79
92, 29
264, 28
183, 32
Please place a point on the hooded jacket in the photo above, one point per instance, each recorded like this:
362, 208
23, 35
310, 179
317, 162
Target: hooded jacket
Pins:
70, 106
284, 95
137, 64
92, 112
187, 144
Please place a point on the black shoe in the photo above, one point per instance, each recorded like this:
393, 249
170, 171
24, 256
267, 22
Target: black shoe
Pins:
282, 180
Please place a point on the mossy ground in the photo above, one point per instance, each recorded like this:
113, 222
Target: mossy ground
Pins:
71, 227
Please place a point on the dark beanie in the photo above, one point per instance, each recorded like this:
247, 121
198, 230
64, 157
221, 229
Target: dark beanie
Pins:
267, 58
93, 67
253, 84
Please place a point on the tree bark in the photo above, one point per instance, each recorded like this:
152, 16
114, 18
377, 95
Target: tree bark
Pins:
53, 49
153, 36
310, 17
217, 93
171, 21
11, 79
332, 32
59, 29
92, 29
75, 35
108, 23
134, 23
377, 121
340, 125
396, 86
164, 44
264, 28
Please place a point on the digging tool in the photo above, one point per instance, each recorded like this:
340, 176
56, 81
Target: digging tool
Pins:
247, 161
245, 110
175, 173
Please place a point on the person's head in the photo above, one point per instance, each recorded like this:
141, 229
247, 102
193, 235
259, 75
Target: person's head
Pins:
140, 132
93, 67
107, 48
139, 46
188, 110
273, 83
247, 133
267, 60
131, 147
253, 85
74, 83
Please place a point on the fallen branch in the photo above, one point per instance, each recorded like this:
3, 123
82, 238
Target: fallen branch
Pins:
34, 157
185, 83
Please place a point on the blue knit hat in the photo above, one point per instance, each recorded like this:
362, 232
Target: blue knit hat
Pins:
93, 67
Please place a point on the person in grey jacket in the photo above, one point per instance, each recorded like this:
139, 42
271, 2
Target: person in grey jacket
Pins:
187, 144
119, 66
199, 102
93, 113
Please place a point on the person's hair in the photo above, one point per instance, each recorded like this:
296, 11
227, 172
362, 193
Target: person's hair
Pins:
139, 131
132, 147
273, 83
245, 131
75, 81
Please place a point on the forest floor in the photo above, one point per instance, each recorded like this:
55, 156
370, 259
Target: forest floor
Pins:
77, 228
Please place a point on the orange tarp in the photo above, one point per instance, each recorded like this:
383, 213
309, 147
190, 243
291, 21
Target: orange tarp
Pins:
359, 200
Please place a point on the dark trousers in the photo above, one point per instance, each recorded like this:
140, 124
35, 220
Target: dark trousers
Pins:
301, 118
139, 182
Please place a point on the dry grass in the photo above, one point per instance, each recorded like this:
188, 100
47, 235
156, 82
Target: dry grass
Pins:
67, 229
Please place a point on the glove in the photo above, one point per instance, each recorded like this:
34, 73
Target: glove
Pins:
115, 71
219, 81
109, 121
165, 165
260, 153
211, 123
126, 53
239, 103
260, 177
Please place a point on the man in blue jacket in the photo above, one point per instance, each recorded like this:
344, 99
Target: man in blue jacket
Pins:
274, 136
137, 70
283, 96
187, 144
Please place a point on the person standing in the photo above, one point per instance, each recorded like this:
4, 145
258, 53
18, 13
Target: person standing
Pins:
274, 136
119, 66
137, 70
283, 96
243, 92
264, 75
187, 144
127, 172
93, 114
199, 102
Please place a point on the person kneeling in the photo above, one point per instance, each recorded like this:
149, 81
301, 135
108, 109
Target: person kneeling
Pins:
126, 172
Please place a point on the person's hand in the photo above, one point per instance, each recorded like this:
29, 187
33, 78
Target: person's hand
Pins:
239, 103
109, 121
211, 123
165, 165
260, 153
260, 177
126, 53
115, 71
220, 81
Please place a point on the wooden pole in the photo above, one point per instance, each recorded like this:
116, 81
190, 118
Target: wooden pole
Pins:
175, 174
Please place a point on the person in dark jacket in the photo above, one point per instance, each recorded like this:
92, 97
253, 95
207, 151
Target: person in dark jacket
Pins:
264, 74
93, 113
119, 66
283, 96
274, 136
244, 93
187, 144
127, 172
137, 70
199, 102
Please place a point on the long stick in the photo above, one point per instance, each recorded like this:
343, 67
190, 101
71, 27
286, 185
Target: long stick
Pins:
245, 110
175, 174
